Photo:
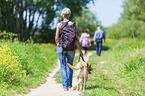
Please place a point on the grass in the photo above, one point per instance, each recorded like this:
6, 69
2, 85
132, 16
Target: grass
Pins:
37, 60
121, 74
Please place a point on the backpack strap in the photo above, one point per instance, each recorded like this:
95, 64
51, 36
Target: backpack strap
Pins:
61, 28
63, 24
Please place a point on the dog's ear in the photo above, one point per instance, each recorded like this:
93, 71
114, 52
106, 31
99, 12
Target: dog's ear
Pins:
89, 67
88, 64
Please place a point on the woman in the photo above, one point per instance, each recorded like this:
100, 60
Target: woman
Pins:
85, 41
66, 56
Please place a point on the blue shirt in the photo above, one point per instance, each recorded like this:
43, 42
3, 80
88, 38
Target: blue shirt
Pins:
99, 34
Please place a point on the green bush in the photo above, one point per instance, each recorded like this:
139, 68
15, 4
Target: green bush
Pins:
24, 65
7, 35
10, 66
127, 29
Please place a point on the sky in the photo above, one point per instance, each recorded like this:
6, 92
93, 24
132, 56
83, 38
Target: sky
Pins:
107, 11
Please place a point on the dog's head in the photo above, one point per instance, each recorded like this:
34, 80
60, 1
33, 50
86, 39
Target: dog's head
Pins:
89, 67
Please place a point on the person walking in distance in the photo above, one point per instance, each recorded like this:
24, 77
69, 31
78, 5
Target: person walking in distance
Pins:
85, 41
66, 38
98, 36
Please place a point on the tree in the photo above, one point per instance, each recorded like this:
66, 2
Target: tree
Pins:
76, 6
134, 9
132, 22
19, 16
87, 21
45, 33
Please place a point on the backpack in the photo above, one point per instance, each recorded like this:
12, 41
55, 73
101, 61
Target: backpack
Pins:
67, 35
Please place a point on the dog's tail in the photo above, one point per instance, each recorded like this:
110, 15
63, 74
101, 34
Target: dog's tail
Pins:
72, 67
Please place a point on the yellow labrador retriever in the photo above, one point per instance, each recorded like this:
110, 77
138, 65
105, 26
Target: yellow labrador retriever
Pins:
82, 71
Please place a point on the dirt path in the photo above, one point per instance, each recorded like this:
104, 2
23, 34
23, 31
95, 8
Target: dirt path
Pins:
51, 88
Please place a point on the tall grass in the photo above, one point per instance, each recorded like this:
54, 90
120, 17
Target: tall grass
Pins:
121, 74
24, 65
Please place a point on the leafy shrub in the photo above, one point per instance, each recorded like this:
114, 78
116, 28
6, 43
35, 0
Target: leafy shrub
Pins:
9, 35
127, 29
29, 62
10, 66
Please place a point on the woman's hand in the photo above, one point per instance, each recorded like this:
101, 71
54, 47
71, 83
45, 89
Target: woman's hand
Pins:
90, 44
94, 43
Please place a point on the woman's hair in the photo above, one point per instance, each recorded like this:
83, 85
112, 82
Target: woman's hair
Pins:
66, 12
86, 30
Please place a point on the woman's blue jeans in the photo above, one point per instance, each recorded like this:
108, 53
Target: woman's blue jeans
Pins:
66, 71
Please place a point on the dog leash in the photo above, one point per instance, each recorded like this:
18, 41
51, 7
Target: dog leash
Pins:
82, 58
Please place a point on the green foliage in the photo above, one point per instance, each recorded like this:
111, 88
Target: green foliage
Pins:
86, 21
75, 6
132, 22
45, 35
122, 72
134, 9
10, 67
22, 16
29, 18
127, 29
24, 65
134, 50
5, 35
